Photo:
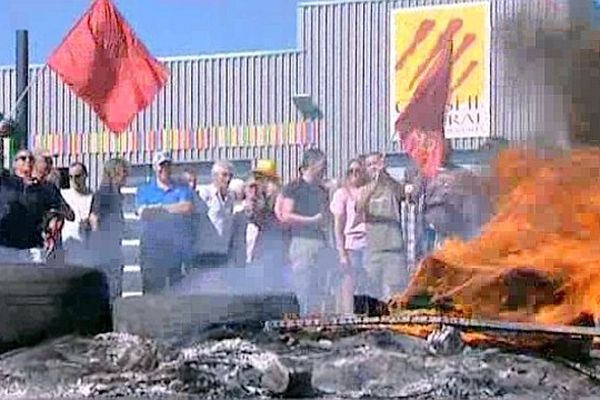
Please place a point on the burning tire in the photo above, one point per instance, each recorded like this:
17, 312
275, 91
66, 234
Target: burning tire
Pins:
42, 302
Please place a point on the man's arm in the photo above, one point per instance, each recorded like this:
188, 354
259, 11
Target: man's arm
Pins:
366, 192
95, 212
59, 204
285, 213
404, 190
144, 209
94, 222
183, 207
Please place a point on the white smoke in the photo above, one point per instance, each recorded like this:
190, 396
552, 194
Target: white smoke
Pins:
549, 53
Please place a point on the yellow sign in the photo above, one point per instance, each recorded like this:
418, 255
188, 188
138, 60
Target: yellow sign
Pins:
417, 37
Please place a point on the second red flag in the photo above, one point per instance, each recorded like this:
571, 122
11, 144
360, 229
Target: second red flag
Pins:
421, 124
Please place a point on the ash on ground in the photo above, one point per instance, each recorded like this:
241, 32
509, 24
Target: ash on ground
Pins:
376, 364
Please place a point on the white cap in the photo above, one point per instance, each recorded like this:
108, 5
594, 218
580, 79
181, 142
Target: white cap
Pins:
161, 157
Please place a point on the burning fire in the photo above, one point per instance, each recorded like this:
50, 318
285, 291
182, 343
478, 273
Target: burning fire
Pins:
537, 260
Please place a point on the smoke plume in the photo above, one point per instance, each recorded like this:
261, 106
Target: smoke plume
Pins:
556, 53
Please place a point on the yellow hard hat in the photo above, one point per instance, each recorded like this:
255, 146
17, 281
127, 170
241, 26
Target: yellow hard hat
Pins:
267, 168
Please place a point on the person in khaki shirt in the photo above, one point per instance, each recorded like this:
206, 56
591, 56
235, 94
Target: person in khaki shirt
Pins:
380, 201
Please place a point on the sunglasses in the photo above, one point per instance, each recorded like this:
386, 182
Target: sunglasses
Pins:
24, 158
354, 171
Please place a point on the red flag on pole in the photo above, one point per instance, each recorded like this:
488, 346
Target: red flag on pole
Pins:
420, 126
107, 66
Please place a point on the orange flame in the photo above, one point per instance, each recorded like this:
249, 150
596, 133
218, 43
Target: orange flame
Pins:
538, 259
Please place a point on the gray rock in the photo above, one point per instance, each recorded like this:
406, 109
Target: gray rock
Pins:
445, 341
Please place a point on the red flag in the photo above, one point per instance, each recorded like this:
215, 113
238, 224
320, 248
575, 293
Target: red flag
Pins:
421, 124
107, 66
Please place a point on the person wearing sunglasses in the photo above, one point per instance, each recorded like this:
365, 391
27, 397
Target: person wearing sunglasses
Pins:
75, 234
33, 213
350, 233
43, 169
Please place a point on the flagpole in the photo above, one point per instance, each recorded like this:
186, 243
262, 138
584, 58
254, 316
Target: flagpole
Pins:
21, 97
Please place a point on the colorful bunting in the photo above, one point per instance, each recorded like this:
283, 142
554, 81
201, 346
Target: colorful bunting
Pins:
290, 133
200, 138
106, 141
188, 140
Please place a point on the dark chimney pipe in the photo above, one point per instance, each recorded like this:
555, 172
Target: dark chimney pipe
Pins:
22, 69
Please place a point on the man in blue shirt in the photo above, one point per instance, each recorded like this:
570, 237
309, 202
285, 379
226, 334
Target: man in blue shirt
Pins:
165, 210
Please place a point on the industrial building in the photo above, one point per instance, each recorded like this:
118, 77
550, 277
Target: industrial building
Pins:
332, 91
335, 90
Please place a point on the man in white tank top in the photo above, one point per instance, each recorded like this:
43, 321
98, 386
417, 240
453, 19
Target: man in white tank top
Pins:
75, 235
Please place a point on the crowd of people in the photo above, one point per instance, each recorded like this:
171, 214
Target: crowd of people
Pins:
39, 223
327, 240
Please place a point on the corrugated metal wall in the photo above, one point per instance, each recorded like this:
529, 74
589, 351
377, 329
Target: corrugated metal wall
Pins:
234, 89
343, 64
346, 69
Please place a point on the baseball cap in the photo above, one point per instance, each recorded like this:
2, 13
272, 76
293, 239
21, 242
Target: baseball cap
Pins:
161, 157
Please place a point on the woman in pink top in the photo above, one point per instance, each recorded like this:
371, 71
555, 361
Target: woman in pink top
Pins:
350, 233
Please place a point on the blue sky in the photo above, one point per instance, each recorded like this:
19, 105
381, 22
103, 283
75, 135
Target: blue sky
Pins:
167, 27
